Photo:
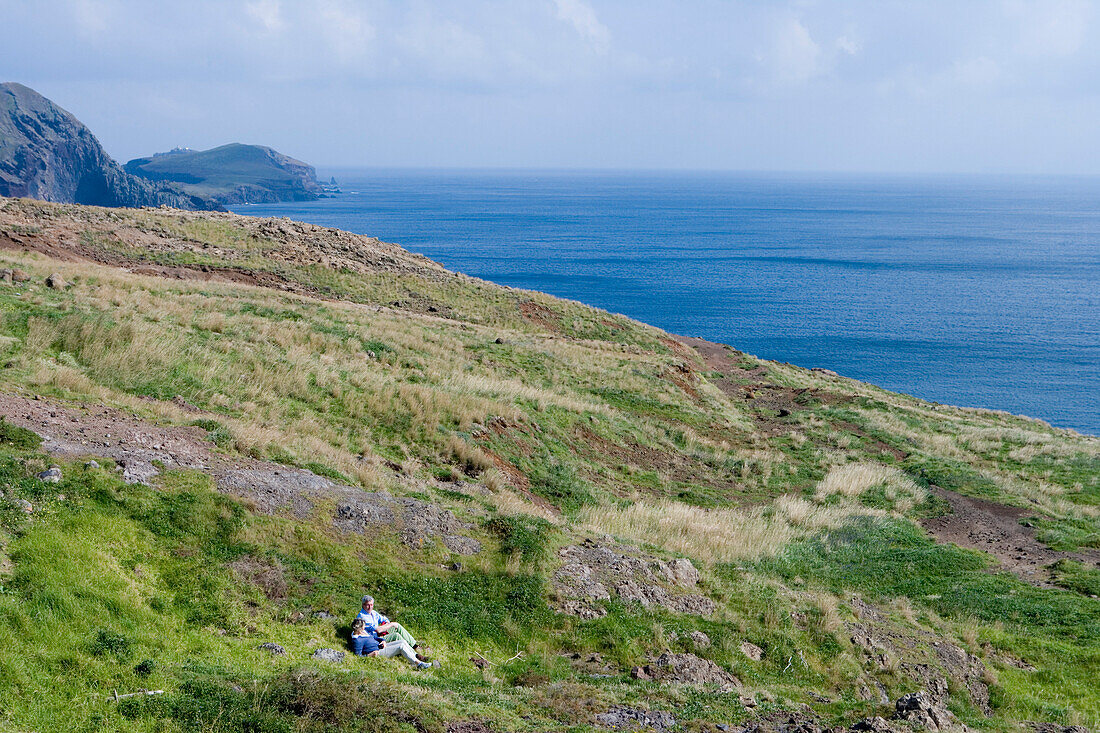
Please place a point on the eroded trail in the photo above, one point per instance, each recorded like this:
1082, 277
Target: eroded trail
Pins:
995, 528
140, 448
973, 523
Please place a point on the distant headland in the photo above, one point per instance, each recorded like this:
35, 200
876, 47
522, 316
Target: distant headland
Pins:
47, 153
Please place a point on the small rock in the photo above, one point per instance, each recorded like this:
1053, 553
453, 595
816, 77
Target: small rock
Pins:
328, 655
499, 340
324, 616
275, 649
621, 717
699, 639
51, 475
877, 724
5, 275
722, 726
640, 673
752, 651
25, 505
748, 701
19, 276
766, 696
918, 710
455, 567
91, 465
55, 281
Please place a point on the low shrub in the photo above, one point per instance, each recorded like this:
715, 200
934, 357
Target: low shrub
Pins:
521, 535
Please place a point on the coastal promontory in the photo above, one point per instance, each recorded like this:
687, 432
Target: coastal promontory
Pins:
232, 174
47, 153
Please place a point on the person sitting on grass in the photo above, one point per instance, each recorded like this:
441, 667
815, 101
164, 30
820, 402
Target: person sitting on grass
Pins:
365, 643
382, 626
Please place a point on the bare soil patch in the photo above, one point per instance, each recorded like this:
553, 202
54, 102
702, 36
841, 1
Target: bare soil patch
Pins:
995, 528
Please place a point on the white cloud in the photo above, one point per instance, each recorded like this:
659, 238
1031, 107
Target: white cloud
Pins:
583, 18
981, 71
795, 55
267, 13
1051, 27
346, 33
847, 45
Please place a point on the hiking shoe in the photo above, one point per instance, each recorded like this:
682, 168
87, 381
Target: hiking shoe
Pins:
424, 665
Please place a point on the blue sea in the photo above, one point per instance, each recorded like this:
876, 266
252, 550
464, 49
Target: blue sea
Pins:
977, 291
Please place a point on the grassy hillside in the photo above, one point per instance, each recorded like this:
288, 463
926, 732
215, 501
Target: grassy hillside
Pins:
527, 449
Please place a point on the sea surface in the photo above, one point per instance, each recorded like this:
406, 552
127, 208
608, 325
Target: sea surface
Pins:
977, 291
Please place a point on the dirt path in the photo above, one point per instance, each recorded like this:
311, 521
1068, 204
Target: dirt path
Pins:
995, 528
140, 448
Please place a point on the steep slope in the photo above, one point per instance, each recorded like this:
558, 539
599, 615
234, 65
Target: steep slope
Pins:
46, 153
593, 524
232, 174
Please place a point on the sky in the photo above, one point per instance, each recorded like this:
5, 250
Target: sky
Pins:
965, 86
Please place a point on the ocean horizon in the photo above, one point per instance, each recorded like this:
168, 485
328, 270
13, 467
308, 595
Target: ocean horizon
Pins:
978, 291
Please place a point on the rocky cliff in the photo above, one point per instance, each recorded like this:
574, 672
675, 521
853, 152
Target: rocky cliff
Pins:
46, 153
232, 174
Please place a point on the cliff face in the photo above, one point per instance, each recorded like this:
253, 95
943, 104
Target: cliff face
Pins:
46, 153
232, 174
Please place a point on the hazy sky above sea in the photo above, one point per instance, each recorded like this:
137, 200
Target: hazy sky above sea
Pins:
866, 85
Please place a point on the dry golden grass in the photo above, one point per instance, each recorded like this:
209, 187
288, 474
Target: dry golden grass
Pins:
853, 479
720, 535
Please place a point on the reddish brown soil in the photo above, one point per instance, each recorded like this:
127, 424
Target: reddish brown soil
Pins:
995, 528
541, 316
747, 386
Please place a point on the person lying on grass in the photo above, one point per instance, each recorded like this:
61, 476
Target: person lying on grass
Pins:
381, 626
366, 644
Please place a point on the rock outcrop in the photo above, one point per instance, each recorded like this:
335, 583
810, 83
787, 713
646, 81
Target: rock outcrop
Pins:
47, 153
594, 572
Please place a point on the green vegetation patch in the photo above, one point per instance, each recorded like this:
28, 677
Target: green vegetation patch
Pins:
17, 437
522, 535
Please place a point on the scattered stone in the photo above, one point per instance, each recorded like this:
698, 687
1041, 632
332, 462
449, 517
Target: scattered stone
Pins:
19, 276
275, 649
91, 465
699, 639
461, 545
748, 701
25, 505
455, 567
51, 475
324, 616
5, 275
640, 673
752, 651
1056, 728
826, 372
328, 655
877, 724
55, 281
622, 717
498, 340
